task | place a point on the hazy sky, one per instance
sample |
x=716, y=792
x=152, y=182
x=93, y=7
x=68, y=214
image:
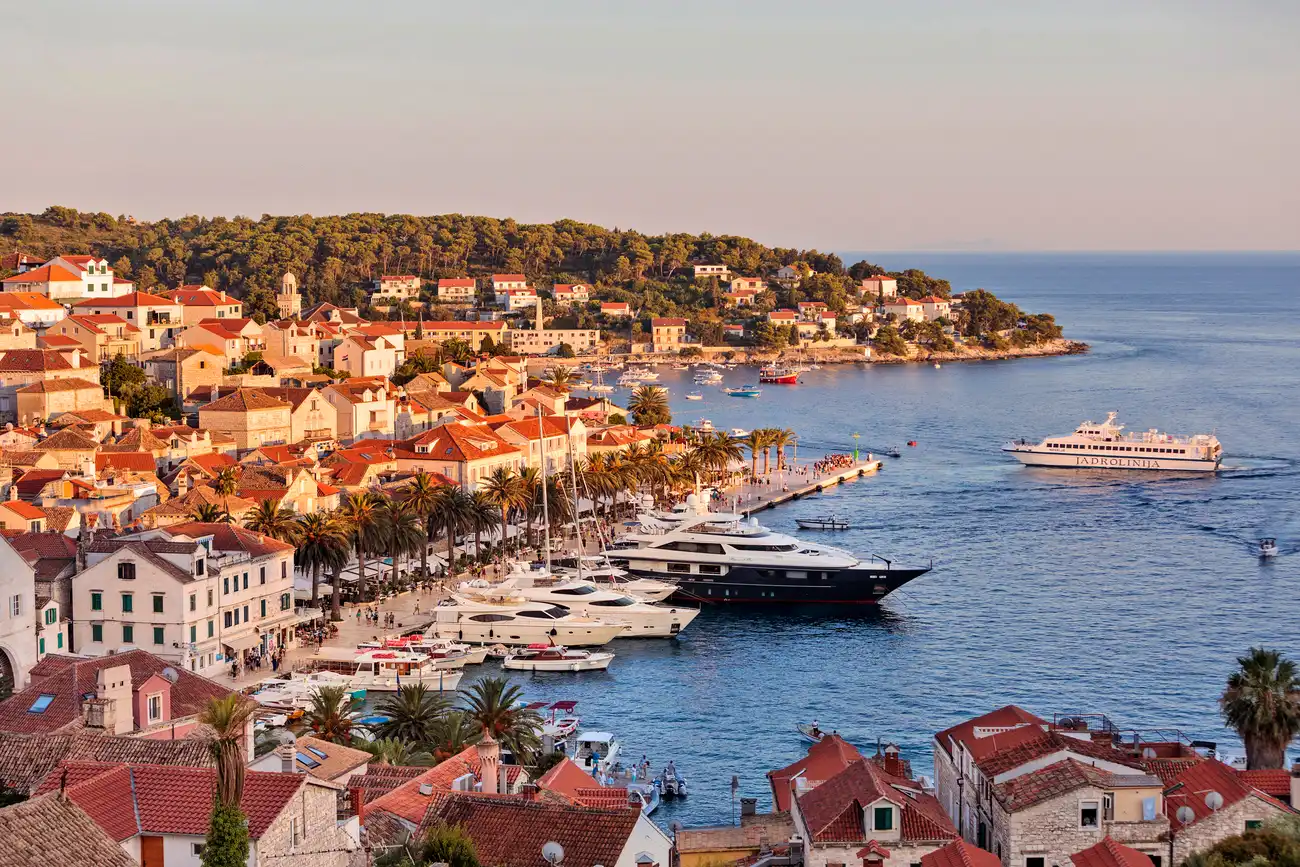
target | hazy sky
x=840, y=124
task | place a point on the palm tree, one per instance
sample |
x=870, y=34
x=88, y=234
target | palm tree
x=271, y=519
x=559, y=378
x=504, y=489
x=412, y=712
x=756, y=442
x=483, y=516
x=451, y=733
x=1262, y=702
x=493, y=704
x=391, y=751
x=228, y=719
x=419, y=497
x=322, y=544
x=649, y=405
x=530, y=499
x=401, y=532
x=781, y=438
x=451, y=511
x=225, y=483
x=210, y=513
x=330, y=716
x=361, y=513
x=768, y=441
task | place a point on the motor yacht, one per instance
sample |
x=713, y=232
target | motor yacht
x=597, y=753
x=544, y=657
x=513, y=621
x=386, y=670
x=640, y=619
x=720, y=558
x=599, y=571
x=444, y=654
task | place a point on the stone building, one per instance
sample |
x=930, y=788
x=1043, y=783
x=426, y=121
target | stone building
x=251, y=416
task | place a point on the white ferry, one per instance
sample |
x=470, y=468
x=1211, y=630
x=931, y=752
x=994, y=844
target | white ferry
x=1104, y=446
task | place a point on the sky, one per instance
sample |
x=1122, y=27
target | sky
x=837, y=124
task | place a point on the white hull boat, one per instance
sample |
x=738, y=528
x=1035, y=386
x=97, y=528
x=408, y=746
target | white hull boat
x=546, y=658
x=515, y=622
x=386, y=670
x=1103, y=446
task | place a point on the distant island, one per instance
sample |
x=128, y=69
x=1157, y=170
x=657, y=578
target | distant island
x=645, y=294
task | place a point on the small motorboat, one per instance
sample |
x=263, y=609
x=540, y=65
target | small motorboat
x=670, y=783
x=743, y=391
x=739, y=432
x=826, y=522
x=937, y=365
x=545, y=657
x=811, y=732
x=644, y=796
x=694, y=395
x=704, y=425
x=563, y=722
x=498, y=651
x=1268, y=547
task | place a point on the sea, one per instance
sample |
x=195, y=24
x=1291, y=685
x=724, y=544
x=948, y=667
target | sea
x=1063, y=591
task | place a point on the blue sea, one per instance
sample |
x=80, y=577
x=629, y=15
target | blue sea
x=1059, y=590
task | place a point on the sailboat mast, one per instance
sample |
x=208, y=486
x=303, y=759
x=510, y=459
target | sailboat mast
x=546, y=508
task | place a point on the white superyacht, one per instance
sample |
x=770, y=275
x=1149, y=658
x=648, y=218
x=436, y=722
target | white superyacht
x=1105, y=446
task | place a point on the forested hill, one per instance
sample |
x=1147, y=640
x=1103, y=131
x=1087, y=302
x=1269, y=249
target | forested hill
x=332, y=256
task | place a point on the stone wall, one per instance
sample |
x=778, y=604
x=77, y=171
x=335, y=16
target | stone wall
x=1050, y=830
x=321, y=842
x=900, y=854
x=1230, y=820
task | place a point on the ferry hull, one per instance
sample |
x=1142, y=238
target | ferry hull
x=1112, y=462
x=748, y=585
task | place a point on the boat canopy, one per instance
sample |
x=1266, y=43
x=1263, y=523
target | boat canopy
x=565, y=706
x=595, y=737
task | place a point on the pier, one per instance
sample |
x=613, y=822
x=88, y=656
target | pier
x=786, y=487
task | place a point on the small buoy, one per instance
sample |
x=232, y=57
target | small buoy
x=911, y=443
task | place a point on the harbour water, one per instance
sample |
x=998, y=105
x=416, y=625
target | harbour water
x=1065, y=591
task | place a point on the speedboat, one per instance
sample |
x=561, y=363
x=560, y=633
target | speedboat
x=563, y=722
x=515, y=621
x=704, y=425
x=743, y=391
x=738, y=432
x=544, y=657
x=640, y=619
x=670, y=783
x=712, y=377
x=597, y=752
x=1268, y=547
x=386, y=670
x=694, y=395
x=443, y=654
x=826, y=522
x=643, y=796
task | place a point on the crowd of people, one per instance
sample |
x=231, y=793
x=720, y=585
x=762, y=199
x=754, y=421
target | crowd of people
x=254, y=658
x=831, y=463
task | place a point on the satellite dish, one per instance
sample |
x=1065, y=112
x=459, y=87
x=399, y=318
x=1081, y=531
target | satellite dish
x=1148, y=753
x=1214, y=800
x=1185, y=815
x=170, y=674
x=553, y=852
x=674, y=826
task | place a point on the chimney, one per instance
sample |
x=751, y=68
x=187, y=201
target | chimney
x=748, y=807
x=489, y=759
x=113, y=688
x=893, y=762
x=286, y=753
x=539, y=316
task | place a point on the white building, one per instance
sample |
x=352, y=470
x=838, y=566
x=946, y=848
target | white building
x=503, y=283
x=879, y=287
x=18, y=619
x=905, y=309
x=719, y=271
x=458, y=290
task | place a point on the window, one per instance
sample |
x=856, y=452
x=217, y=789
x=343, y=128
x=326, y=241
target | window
x=198, y=570
x=194, y=633
x=96, y=632
x=284, y=569
x=683, y=568
x=41, y=704
x=245, y=613
x=126, y=571
x=286, y=601
x=262, y=575
x=159, y=635
x=294, y=831
x=40, y=646
x=1108, y=806
x=155, y=707
x=96, y=600
x=128, y=603
x=194, y=602
x=883, y=818
x=1089, y=814
x=1254, y=824
x=263, y=614
x=225, y=586
x=1034, y=862
x=197, y=849
x=211, y=628
x=157, y=603
x=128, y=633
x=58, y=640
x=245, y=580
x=51, y=615
x=228, y=622
x=1155, y=860
x=209, y=597
x=15, y=606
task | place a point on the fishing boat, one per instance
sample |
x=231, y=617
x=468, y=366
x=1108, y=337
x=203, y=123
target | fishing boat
x=743, y=391
x=694, y=395
x=1268, y=547
x=811, y=732
x=826, y=522
x=545, y=657
x=778, y=375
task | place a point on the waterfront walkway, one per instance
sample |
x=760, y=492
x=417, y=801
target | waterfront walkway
x=793, y=483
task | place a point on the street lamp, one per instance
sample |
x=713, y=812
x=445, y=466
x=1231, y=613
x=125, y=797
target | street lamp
x=855, y=447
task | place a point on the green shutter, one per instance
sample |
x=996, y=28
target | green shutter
x=96, y=632
x=128, y=633
x=158, y=636
x=96, y=601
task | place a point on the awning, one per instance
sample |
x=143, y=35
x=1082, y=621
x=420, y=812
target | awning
x=242, y=642
x=308, y=618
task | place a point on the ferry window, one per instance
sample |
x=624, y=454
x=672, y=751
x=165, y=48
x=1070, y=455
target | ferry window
x=710, y=569
x=683, y=568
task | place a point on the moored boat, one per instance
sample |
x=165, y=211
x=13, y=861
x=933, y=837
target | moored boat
x=1268, y=547
x=1104, y=446
x=825, y=522
x=543, y=657
x=743, y=391
x=386, y=670
x=778, y=375
x=694, y=395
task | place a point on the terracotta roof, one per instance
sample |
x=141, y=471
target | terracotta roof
x=130, y=299
x=1028, y=743
x=55, y=341
x=405, y=800
x=228, y=537
x=462, y=282
x=68, y=439
x=959, y=853
x=825, y=759
x=833, y=811
x=662, y=322
x=1004, y=717
x=456, y=442
x=24, y=510
x=442, y=325
x=510, y=832
x=32, y=360
x=567, y=779
x=1270, y=781
x=46, y=386
x=57, y=518
x=32, y=481
x=28, y=301
x=244, y=400
x=337, y=761
x=26, y=760
x=131, y=799
x=1211, y=775
x=1060, y=778
x=141, y=461
x=68, y=678
x=45, y=274
x=52, y=829
x=1107, y=853
x=508, y=278
x=192, y=296
x=613, y=305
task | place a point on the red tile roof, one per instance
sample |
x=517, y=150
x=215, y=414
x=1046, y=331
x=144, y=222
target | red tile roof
x=68, y=678
x=825, y=759
x=463, y=282
x=959, y=853
x=508, y=278
x=833, y=811
x=229, y=537
x=510, y=832
x=1270, y=781
x=53, y=829
x=1210, y=775
x=439, y=325
x=1108, y=853
x=1060, y=778
x=666, y=322
x=1029, y=743
x=45, y=274
x=139, y=461
x=32, y=360
x=406, y=801
x=197, y=296
x=245, y=400
x=24, y=510
x=1004, y=717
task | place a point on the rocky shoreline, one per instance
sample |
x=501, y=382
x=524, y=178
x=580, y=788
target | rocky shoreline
x=855, y=355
